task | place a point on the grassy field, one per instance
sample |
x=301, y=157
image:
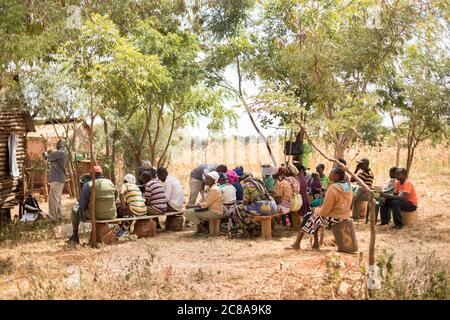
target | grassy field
x=177, y=265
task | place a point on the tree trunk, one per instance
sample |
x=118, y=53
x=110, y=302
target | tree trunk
x=339, y=149
x=138, y=157
x=397, y=153
x=172, y=126
x=409, y=159
x=158, y=128
x=107, y=146
x=93, y=239
x=411, y=147
x=113, y=156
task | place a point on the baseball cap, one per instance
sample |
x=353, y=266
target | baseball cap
x=364, y=160
x=130, y=178
x=98, y=169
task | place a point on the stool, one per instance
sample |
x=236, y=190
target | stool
x=214, y=227
x=362, y=212
x=410, y=218
x=345, y=236
x=104, y=233
x=296, y=221
x=145, y=228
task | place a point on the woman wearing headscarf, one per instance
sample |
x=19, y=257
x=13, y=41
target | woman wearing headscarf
x=257, y=199
x=233, y=179
x=282, y=191
x=305, y=208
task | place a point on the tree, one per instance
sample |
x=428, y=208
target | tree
x=55, y=95
x=418, y=94
x=226, y=36
x=100, y=58
x=329, y=56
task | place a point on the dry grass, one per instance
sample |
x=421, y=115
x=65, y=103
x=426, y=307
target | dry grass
x=176, y=265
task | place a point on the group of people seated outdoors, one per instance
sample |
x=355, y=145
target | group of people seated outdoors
x=236, y=196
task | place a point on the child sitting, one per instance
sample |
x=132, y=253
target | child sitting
x=268, y=180
x=283, y=194
x=315, y=187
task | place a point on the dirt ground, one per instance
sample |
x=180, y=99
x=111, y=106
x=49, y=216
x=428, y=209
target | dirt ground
x=178, y=265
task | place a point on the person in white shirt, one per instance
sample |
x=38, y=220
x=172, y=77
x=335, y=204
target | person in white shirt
x=228, y=194
x=172, y=189
x=228, y=191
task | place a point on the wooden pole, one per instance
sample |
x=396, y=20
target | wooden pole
x=93, y=239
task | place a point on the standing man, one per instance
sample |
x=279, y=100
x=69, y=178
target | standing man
x=197, y=177
x=366, y=175
x=403, y=199
x=57, y=178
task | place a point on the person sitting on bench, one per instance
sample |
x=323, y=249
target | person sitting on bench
x=257, y=200
x=403, y=199
x=361, y=195
x=389, y=187
x=228, y=194
x=315, y=186
x=131, y=200
x=132, y=203
x=172, y=189
x=282, y=193
x=105, y=203
x=335, y=209
x=155, y=197
x=210, y=208
x=233, y=179
x=324, y=179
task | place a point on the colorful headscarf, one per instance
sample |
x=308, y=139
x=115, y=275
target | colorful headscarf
x=282, y=171
x=232, y=176
x=239, y=171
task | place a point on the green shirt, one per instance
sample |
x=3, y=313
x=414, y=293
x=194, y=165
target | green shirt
x=325, y=182
x=105, y=199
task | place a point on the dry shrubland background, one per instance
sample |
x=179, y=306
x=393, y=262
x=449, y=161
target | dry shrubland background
x=251, y=152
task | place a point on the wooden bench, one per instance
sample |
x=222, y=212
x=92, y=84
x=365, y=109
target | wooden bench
x=266, y=223
x=144, y=227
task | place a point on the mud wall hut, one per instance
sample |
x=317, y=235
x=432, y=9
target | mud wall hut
x=14, y=126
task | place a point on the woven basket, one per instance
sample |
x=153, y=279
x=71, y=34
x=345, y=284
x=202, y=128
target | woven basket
x=175, y=223
x=145, y=228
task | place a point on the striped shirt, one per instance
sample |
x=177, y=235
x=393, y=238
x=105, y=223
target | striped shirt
x=366, y=177
x=134, y=199
x=155, y=196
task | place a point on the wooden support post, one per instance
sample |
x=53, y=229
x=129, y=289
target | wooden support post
x=266, y=228
x=296, y=221
x=45, y=186
x=214, y=227
x=104, y=234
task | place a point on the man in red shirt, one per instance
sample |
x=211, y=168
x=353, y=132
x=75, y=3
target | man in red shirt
x=403, y=199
